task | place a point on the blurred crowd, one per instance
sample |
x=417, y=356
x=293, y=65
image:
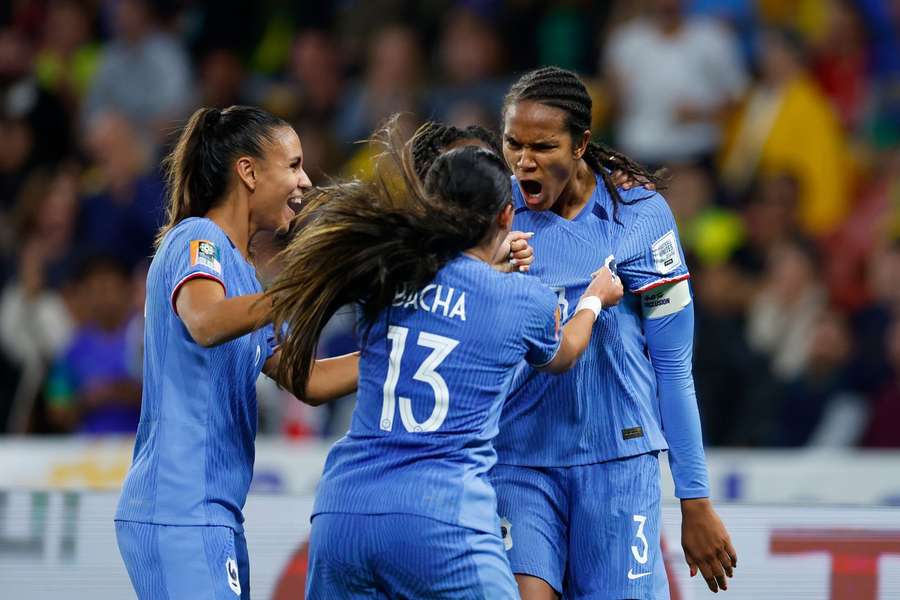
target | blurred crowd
x=778, y=122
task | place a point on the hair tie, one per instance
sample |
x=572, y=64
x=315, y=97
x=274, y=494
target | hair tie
x=212, y=118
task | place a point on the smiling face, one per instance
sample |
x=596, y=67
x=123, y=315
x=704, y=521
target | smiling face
x=280, y=182
x=538, y=148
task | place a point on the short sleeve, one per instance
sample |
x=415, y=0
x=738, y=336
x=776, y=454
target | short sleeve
x=195, y=251
x=541, y=325
x=651, y=254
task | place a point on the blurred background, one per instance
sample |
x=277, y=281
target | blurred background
x=779, y=123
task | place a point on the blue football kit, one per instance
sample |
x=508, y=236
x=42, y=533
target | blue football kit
x=577, y=478
x=179, y=520
x=404, y=507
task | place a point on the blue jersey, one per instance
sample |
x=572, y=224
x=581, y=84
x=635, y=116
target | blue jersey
x=606, y=406
x=193, y=455
x=433, y=375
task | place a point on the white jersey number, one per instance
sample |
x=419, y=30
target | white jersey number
x=441, y=347
x=562, y=301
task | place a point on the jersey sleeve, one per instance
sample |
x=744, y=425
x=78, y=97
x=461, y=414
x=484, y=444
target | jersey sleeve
x=651, y=254
x=195, y=251
x=541, y=325
x=670, y=342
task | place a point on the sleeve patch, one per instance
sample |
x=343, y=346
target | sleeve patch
x=205, y=253
x=666, y=257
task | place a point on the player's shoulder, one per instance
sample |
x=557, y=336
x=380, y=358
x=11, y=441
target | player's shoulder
x=643, y=205
x=529, y=289
x=197, y=228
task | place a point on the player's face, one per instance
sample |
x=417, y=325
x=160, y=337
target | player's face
x=281, y=182
x=538, y=148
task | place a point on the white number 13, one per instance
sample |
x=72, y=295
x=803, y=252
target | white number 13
x=441, y=347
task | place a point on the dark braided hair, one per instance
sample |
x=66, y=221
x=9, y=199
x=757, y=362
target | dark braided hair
x=562, y=89
x=433, y=139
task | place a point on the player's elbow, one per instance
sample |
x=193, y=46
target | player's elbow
x=312, y=398
x=203, y=333
x=562, y=362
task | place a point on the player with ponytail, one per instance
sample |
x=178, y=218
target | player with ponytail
x=404, y=507
x=207, y=337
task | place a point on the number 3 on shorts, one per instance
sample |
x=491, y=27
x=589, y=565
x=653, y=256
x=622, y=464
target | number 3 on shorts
x=641, y=556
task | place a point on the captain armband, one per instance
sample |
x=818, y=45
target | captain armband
x=665, y=300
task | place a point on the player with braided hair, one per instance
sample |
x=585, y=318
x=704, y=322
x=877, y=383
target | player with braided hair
x=577, y=477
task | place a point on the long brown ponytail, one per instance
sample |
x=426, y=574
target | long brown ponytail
x=368, y=243
x=198, y=169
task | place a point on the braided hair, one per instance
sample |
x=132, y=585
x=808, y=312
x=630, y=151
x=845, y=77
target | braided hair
x=433, y=139
x=562, y=89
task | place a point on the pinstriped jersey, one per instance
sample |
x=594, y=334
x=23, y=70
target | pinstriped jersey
x=606, y=406
x=434, y=373
x=194, y=450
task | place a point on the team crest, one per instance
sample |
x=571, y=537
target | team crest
x=506, y=533
x=205, y=253
x=234, y=581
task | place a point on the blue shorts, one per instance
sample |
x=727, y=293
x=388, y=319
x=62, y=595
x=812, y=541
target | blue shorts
x=404, y=556
x=167, y=562
x=590, y=531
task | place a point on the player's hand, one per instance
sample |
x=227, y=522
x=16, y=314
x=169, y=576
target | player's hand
x=706, y=543
x=607, y=286
x=515, y=254
x=621, y=179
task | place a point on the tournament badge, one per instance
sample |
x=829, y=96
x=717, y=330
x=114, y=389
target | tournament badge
x=205, y=253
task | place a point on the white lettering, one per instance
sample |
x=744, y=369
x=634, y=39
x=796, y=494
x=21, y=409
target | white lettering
x=422, y=293
x=459, y=309
x=439, y=302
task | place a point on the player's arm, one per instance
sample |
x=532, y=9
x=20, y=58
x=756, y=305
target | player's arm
x=604, y=290
x=330, y=378
x=668, y=318
x=211, y=318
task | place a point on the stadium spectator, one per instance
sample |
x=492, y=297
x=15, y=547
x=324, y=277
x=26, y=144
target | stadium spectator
x=674, y=77
x=122, y=209
x=841, y=63
x=67, y=58
x=470, y=58
x=94, y=386
x=787, y=125
x=820, y=406
x=34, y=126
x=144, y=73
x=391, y=84
x=782, y=316
x=882, y=431
x=222, y=78
x=36, y=312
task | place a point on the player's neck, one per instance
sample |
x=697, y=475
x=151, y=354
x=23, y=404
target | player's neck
x=488, y=248
x=233, y=217
x=575, y=195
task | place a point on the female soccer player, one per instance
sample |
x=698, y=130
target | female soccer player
x=577, y=477
x=404, y=508
x=234, y=172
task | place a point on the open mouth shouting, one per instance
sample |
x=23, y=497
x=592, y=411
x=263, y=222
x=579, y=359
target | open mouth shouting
x=533, y=190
